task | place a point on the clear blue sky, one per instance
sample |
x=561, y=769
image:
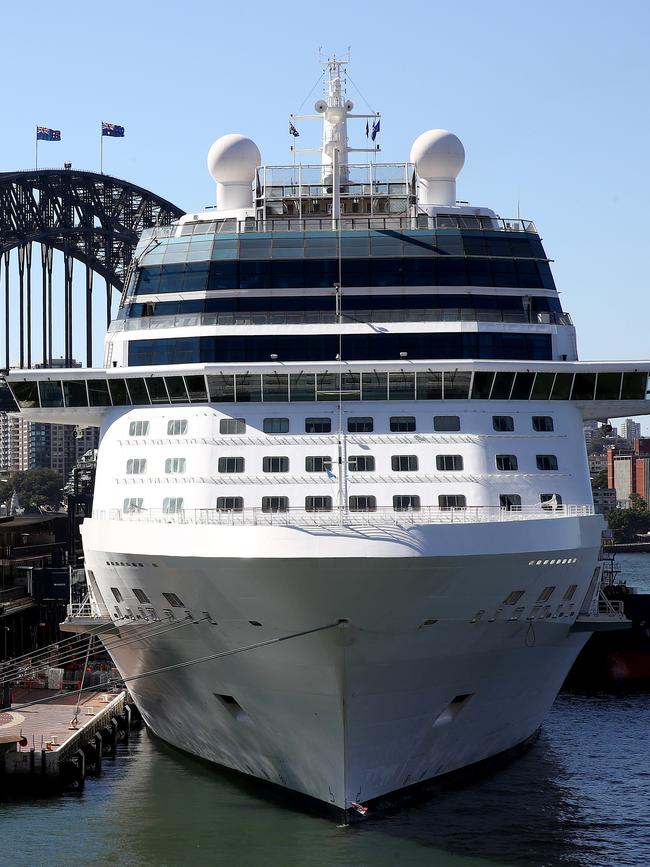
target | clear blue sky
x=550, y=100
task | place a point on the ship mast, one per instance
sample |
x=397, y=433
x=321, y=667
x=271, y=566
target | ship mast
x=335, y=109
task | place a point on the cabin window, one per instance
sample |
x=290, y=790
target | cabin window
x=136, y=466
x=402, y=423
x=406, y=503
x=275, y=504
x=318, y=504
x=452, y=501
x=503, y=423
x=506, y=463
x=116, y=593
x=446, y=423
x=449, y=463
x=361, y=463
x=174, y=600
x=318, y=464
x=318, y=425
x=231, y=465
x=230, y=504
x=510, y=502
x=138, y=428
x=232, y=426
x=542, y=423
x=175, y=465
x=172, y=505
x=570, y=592
x=275, y=464
x=546, y=594
x=363, y=503
x=141, y=596
x=132, y=504
x=276, y=425
x=361, y=424
x=404, y=463
x=176, y=427
x=546, y=462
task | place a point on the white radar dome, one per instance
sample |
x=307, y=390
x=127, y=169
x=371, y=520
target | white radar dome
x=233, y=158
x=439, y=156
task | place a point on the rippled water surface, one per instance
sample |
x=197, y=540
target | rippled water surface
x=579, y=796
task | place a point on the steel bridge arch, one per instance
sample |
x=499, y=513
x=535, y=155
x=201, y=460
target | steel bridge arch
x=93, y=218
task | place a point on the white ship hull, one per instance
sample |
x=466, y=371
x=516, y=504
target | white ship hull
x=363, y=709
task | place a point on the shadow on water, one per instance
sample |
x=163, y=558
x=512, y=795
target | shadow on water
x=578, y=796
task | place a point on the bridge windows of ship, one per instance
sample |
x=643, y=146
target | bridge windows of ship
x=232, y=426
x=318, y=504
x=361, y=463
x=543, y=423
x=275, y=425
x=369, y=386
x=175, y=465
x=138, y=428
x=318, y=464
x=452, y=501
x=507, y=463
x=172, y=505
x=449, y=463
x=404, y=463
x=231, y=465
x=275, y=504
x=503, y=423
x=176, y=427
x=510, y=502
x=230, y=504
x=546, y=462
x=275, y=464
x=362, y=503
x=136, y=466
x=406, y=503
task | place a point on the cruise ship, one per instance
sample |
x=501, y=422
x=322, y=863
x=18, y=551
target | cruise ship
x=342, y=519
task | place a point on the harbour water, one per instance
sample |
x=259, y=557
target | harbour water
x=579, y=796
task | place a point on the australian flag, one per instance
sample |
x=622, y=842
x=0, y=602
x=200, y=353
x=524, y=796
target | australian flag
x=375, y=129
x=112, y=129
x=44, y=133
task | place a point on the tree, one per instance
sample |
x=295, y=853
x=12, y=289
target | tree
x=638, y=503
x=6, y=492
x=628, y=523
x=39, y=487
x=600, y=479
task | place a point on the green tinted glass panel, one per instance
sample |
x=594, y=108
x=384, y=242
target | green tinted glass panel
x=327, y=386
x=521, y=388
x=98, y=392
x=502, y=386
x=138, y=392
x=196, y=389
x=157, y=390
x=429, y=385
x=401, y=386
x=542, y=386
x=249, y=388
x=608, y=386
x=457, y=384
x=374, y=386
x=119, y=394
x=26, y=394
x=583, y=386
x=351, y=386
x=562, y=386
x=634, y=386
x=303, y=386
x=176, y=389
x=275, y=387
x=482, y=385
x=222, y=388
x=51, y=394
x=74, y=392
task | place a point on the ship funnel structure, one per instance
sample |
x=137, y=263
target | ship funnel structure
x=439, y=156
x=232, y=161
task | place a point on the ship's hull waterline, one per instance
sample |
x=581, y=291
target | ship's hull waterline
x=429, y=673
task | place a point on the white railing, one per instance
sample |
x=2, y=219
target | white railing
x=87, y=608
x=338, y=517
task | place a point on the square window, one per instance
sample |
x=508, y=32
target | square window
x=510, y=502
x=361, y=464
x=542, y=423
x=503, y=423
x=318, y=504
x=275, y=504
x=362, y=424
x=402, y=423
x=406, y=503
x=449, y=463
x=172, y=505
x=546, y=462
x=231, y=465
x=363, y=503
x=138, y=428
x=232, y=426
x=177, y=427
x=451, y=501
x=404, y=463
x=275, y=464
x=506, y=463
x=275, y=425
x=318, y=464
x=446, y=423
x=136, y=466
x=318, y=425
x=230, y=504
x=132, y=505
x=175, y=465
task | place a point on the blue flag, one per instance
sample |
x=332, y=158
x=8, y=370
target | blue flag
x=293, y=131
x=44, y=133
x=112, y=129
x=375, y=129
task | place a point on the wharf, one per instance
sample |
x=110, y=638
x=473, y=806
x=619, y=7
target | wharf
x=627, y=547
x=40, y=750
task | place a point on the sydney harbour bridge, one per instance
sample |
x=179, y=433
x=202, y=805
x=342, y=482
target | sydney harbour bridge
x=47, y=215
